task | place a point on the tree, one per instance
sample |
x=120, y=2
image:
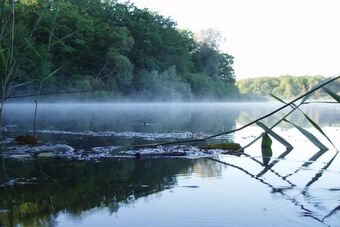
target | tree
x=284, y=86
x=207, y=60
x=112, y=48
x=210, y=37
x=226, y=71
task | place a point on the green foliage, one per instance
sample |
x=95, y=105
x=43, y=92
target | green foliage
x=286, y=87
x=332, y=94
x=111, y=48
x=206, y=60
x=165, y=86
x=206, y=87
x=310, y=120
x=274, y=135
x=226, y=72
x=81, y=186
x=310, y=137
x=266, y=140
x=266, y=149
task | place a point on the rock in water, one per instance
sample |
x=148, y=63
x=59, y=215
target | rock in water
x=26, y=139
x=54, y=150
x=61, y=148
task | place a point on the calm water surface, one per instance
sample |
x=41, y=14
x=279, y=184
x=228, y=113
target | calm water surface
x=88, y=182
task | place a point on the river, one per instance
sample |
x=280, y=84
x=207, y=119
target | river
x=87, y=175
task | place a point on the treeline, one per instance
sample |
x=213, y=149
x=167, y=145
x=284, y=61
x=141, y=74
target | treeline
x=284, y=86
x=114, y=50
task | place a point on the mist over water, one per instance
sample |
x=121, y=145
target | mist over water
x=65, y=163
x=99, y=127
x=87, y=182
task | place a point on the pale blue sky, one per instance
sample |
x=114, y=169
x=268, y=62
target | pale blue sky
x=266, y=37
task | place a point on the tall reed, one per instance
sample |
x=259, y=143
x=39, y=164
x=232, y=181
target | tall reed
x=7, y=19
x=44, y=57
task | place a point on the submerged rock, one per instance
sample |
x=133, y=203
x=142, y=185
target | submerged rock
x=47, y=155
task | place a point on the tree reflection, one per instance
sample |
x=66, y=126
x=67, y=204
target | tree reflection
x=206, y=168
x=43, y=188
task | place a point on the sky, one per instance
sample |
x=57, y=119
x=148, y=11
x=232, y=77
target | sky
x=266, y=37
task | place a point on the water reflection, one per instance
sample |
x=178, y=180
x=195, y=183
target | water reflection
x=37, y=190
x=207, y=168
x=300, y=195
x=323, y=115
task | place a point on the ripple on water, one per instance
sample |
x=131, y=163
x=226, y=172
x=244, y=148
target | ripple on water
x=160, y=151
x=68, y=152
x=18, y=181
x=143, y=135
x=288, y=212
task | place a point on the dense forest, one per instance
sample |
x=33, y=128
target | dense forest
x=113, y=50
x=284, y=86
